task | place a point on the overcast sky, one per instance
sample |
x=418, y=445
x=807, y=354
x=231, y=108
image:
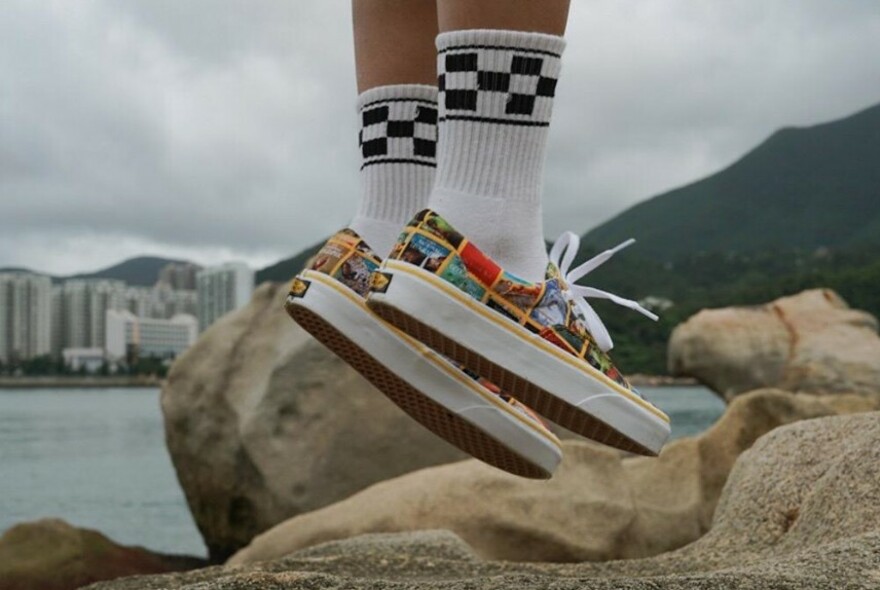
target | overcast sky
x=214, y=130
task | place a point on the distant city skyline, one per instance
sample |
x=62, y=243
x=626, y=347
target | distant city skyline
x=173, y=273
x=216, y=130
x=85, y=320
x=172, y=260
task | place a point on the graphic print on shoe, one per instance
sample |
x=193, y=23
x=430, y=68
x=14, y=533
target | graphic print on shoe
x=399, y=131
x=505, y=85
x=545, y=308
x=347, y=258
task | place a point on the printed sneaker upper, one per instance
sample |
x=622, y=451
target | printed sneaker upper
x=347, y=258
x=547, y=308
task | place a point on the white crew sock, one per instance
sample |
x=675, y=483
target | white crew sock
x=496, y=97
x=398, y=140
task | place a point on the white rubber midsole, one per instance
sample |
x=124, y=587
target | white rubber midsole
x=428, y=372
x=472, y=325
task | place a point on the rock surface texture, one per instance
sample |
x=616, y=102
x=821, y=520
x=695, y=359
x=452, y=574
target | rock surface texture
x=810, y=342
x=598, y=506
x=53, y=555
x=263, y=423
x=800, y=510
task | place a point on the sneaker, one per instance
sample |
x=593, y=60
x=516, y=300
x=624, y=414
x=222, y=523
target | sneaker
x=541, y=342
x=328, y=300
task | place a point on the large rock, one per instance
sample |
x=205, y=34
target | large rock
x=598, y=506
x=50, y=554
x=263, y=423
x=801, y=510
x=810, y=342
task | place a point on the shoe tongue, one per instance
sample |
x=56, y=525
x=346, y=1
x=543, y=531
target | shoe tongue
x=552, y=272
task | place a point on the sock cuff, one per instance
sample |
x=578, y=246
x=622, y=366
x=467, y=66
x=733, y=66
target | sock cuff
x=396, y=92
x=398, y=145
x=498, y=77
x=540, y=43
x=398, y=125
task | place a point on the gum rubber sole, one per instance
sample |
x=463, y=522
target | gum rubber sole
x=541, y=401
x=424, y=410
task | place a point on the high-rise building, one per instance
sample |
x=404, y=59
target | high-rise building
x=142, y=302
x=56, y=320
x=160, y=301
x=25, y=315
x=222, y=289
x=81, y=311
x=179, y=275
x=128, y=334
x=182, y=301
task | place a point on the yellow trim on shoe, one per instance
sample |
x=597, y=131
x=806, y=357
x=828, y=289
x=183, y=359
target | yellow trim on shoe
x=508, y=325
x=431, y=355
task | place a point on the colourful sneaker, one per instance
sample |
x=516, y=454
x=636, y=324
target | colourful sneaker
x=328, y=300
x=541, y=342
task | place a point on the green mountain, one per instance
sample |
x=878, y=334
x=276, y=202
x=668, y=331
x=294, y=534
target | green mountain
x=801, y=210
x=140, y=271
x=802, y=188
x=284, y=270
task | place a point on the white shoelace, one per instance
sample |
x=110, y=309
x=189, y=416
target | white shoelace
x=562, y=255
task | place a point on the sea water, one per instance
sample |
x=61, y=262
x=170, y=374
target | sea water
x=97, y=459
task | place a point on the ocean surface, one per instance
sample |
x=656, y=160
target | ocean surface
x=97, y=459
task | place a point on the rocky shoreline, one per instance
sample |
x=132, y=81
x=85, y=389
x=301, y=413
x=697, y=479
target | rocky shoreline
x=63, y=382
x=300, y=475
x=780, y=523
x=50, y=554
x=642, y=380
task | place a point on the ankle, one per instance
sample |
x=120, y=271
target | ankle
x=508, y=231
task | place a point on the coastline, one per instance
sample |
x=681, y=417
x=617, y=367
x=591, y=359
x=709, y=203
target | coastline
x=72, y=381
x=639, y=379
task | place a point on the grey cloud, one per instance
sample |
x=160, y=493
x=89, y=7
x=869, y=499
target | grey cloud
x=219, y=128
x=668, y=92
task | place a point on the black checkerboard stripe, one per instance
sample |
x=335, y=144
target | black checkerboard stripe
x=398, y=131
x=498, y=84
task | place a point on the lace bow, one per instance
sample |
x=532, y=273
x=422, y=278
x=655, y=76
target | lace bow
x=562, y=255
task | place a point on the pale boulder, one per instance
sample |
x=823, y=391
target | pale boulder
x=50, y=554
x=598, y=506
x=801, y=510
x=809, y=342
x=263, y=423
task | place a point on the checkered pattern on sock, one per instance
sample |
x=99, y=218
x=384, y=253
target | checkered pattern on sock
x=398, y=144
x=504, y=77
x=398, y=130
x=496, y=93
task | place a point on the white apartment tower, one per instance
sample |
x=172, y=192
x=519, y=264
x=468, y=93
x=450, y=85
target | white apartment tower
x=180, y=276
x=160, y=301
x=142, y=302
x=57, y=320
x=80, y=311
x=25, y=315
x=222, y=289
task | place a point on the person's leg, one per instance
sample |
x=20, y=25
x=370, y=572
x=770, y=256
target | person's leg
x=498, y=64
x=537, y=16
x=395, y=59
x=394, y=42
